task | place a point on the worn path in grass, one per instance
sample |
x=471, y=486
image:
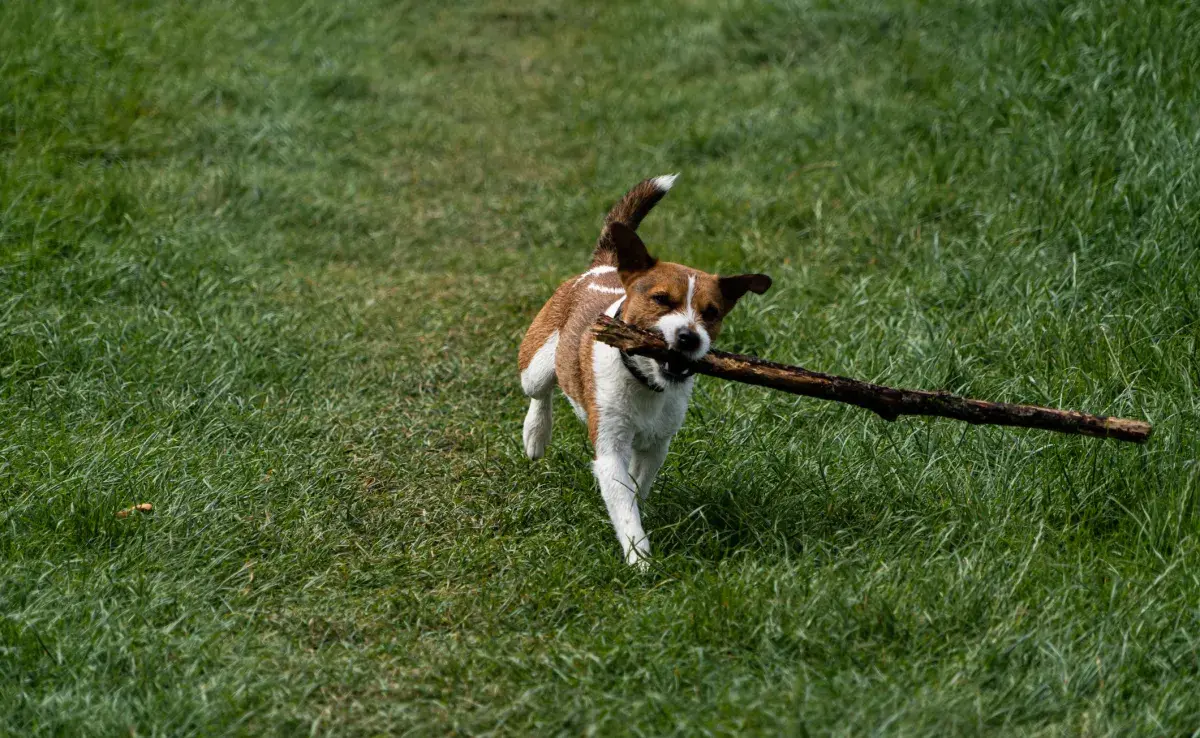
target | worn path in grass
x=266, y=266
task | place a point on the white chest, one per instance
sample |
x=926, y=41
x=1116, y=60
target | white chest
x=629, y=411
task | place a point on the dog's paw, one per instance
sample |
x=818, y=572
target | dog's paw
x=536, y=433
x=535, y=445
x=639, y=558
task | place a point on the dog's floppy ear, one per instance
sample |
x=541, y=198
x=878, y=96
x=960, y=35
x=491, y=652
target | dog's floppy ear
x=632, y=256
x=732, y=288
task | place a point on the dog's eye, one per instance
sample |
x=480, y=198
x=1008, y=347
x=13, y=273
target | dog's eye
x=709, y=314
x=662, y=298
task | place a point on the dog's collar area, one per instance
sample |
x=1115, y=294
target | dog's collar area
x=636, y=371
x=627, y=360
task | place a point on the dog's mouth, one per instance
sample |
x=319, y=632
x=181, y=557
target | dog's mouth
x=675, y=370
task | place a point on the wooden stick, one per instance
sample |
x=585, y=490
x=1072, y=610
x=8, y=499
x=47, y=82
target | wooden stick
x=886, y=402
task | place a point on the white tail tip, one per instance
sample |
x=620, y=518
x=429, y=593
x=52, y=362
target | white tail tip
x=665, y=182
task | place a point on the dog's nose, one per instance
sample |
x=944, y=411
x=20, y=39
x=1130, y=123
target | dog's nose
x=687, y=340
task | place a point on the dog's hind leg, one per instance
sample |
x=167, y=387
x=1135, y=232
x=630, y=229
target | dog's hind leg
x=538, y=380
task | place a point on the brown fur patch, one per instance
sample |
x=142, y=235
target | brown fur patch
x=548, y=320
x=572, y=311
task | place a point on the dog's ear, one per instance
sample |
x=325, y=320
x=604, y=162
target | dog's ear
x=732, y=288
x=632, y=256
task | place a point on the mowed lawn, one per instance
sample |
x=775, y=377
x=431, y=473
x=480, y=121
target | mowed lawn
x=266, y=265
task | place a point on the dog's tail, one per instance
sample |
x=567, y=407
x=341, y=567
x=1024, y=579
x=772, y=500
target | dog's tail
x=630, y=210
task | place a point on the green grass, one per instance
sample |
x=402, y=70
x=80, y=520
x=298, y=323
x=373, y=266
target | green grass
x=266, y=265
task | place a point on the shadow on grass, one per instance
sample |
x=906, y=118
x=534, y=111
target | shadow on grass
x=712, y=522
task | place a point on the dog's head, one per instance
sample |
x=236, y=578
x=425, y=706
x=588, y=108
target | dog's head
x=685, y=305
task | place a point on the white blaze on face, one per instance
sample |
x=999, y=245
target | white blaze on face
x=686, y=317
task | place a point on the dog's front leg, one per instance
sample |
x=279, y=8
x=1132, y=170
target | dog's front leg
x=645, y=465
x=619, y=490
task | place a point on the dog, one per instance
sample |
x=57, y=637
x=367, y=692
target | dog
x=632, y=405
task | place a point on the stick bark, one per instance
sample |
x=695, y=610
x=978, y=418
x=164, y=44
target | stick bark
x=886, y=402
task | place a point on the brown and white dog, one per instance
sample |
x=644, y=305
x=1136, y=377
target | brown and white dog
x=632, y=405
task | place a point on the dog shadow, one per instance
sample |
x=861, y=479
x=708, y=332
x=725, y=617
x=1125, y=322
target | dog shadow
x=718, y=521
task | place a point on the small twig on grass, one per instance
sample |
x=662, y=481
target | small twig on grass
x=886, y=402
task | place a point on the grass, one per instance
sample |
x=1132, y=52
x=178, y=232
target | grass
x=266, y=265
